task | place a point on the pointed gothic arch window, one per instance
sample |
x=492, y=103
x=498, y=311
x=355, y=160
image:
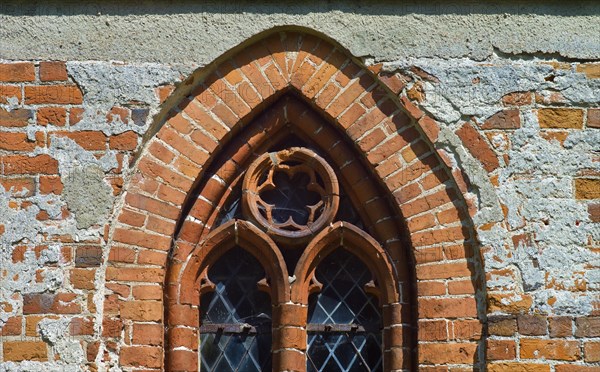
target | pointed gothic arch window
x=316, y=228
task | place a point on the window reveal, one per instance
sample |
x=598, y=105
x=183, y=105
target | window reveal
x=292, y=195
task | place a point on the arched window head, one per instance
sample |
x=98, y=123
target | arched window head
x=314, y=223
x=236, y=316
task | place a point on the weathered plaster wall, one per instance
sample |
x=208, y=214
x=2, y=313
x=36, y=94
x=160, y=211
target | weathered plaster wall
x=522, y=76
x=198, y=32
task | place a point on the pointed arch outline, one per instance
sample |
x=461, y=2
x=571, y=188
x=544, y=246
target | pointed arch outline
x=225, y=237
x=357, y=242
x=196, y=126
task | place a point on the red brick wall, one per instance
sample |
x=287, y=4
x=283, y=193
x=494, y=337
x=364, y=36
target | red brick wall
x=140, y=257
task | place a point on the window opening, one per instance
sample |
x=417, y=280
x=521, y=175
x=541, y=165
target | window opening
x=235, y=331
x=344, y=322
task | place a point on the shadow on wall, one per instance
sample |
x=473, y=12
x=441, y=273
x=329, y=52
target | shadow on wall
x=214, y=7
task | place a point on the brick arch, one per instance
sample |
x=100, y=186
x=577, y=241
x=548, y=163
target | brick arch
x=219, y=102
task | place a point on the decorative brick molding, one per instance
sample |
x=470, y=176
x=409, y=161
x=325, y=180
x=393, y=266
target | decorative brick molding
x=300, y=83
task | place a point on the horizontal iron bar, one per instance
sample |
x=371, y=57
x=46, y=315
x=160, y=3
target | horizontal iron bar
x=340, y=328
x=233, y=328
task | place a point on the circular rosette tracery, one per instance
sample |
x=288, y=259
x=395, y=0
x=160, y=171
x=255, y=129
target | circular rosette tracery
x=291, y=194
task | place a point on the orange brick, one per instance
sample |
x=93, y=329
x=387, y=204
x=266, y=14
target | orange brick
x=53, y=71
x=10, y=92
x=148, y=334
x=501, y=349
x=147, y=292
x=53, y=95
x=550, y=349
x=452, y=353
x=591, y=351
x=134, y=274
x=51, y=185
x=560, y=118
x=478, y=146
x=52, y=116
x=17, y=72
x=15, y=118
x=89, y=140
x=467, y=329
x=19, y=187
x=433, y=330
x=124, y=141
x=17, y=351
x=443, y=270
x=12, y=326
x=458, y=287
x=518, y=367
x=83, y=278
x=150, y=311
x=14, y=141
x=41, y=164
x=141, y=356
x=447, y=307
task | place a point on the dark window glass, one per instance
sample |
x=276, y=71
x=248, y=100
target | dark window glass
x=344, y=330
x=235, y=318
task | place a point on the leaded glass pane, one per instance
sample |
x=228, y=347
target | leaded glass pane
x=236, y=317
x=344, y=321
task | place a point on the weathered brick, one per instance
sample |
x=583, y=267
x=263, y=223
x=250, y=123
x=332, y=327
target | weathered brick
x=478, y=146
x=124, y=141
x=561, y=326
x=587, y=326
x=593, y=118
x=17, y=72
x=455, y=353
x=50, y=303
x=15, y=118
x=89, y=140
x=591, y=70
x=517, y=99
x=141, y=356
x=134, y=274
x=587, y=188
x=506, y=119
x=53, y=71
x=518, y=367
x=550, y=349
x=591, y=351
x=560, y=118
x=147, y=311
x=52, y=116
x=53, y=95
x=501, y=349
x=10, y=93
x=88, y=256
x=40, y=164
x=17, y=351
x=19, y=187
x=532, y=325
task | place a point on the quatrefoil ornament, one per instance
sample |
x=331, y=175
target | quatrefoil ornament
x=291, y=194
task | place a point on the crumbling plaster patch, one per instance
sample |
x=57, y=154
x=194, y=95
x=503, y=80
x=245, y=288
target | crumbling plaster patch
x=106, y=85
x=536, y=184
